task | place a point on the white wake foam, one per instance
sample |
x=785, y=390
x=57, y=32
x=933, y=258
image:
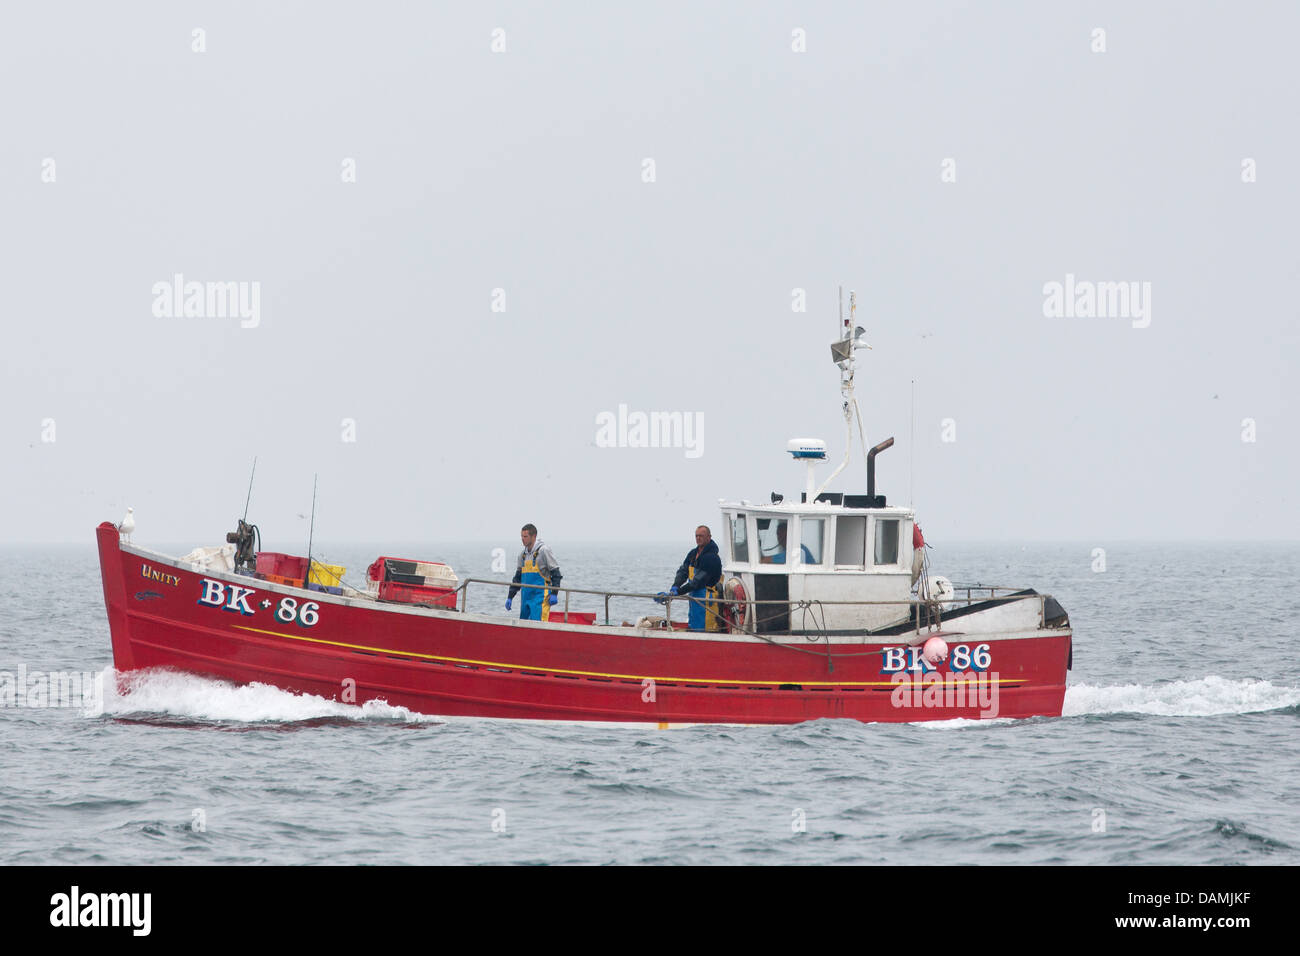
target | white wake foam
x=201, y=698
x=1204, y=697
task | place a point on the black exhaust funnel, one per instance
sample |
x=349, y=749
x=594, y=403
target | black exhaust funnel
x=871, y=466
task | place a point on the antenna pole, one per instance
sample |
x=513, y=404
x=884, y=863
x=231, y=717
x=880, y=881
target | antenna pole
x=311, y=529
x=911, y=450
x=250, y=488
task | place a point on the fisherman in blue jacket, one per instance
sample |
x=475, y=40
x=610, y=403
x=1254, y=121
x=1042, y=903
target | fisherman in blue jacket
x=538, y=574
x=701, y=575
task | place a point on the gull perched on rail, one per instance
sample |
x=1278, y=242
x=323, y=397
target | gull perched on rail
x=128, y=524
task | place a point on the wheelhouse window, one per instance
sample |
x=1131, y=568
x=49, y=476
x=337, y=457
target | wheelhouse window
x=771, y=540
x=886, y=541
x=739, y=540
x=850, y=540
x=812, y=532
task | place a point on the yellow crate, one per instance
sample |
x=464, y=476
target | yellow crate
x=328, y=575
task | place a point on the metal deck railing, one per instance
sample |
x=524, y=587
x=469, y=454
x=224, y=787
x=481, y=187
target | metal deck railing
x=924, y=613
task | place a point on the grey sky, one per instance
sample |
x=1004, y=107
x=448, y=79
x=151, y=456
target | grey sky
x=523, y=170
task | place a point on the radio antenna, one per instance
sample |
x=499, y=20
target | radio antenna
x=911, y=451
x=250, y=488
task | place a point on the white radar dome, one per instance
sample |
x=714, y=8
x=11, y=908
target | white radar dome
x=813, y=448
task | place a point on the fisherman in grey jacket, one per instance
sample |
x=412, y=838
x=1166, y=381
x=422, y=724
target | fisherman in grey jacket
x=538, y=575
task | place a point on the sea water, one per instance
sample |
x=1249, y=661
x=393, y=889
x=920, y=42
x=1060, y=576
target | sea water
x=1179, y=742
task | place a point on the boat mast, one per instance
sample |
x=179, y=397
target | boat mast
x=250, y=489
x=842, y=354
x=311, y=530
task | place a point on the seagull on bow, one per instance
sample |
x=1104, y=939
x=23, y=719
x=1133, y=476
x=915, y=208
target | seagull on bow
x=128, y=524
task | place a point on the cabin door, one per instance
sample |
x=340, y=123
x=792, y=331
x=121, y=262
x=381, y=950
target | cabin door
x=772, y=618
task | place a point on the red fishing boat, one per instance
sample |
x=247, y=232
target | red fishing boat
x=827, y=609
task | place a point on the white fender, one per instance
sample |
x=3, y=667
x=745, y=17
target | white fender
x=941, y=590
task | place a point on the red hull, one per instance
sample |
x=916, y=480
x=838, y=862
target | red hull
x=447, y=663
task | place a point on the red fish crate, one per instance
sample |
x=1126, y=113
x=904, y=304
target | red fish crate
x=416, y=594
x=407, y=571
x=281, y=565
x=572, y=617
